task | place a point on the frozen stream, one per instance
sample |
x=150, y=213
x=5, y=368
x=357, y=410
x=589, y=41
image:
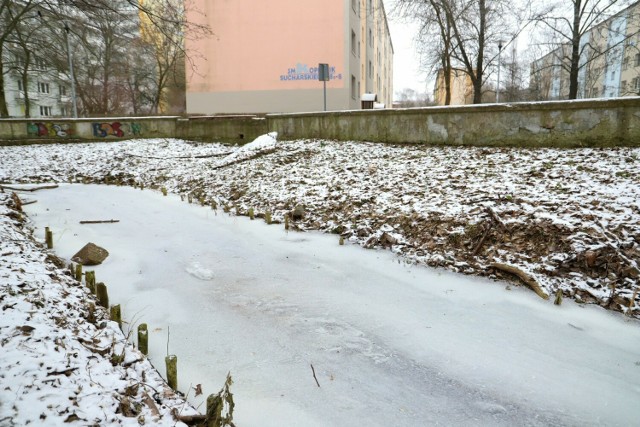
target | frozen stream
x=391, y=344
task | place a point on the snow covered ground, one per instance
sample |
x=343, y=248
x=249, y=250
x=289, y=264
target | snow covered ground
x=55, y=357
x=569, y=218
x=391, y=343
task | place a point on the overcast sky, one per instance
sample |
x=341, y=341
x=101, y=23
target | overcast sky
x=406, y=62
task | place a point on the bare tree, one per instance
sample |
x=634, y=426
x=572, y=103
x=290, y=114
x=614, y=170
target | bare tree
x=571, y=20
x=106, y=35
x=12, y=13
x=468, y=32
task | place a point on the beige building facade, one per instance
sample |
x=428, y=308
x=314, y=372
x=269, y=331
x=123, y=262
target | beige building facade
x=461, y=88
x=609, y=62
x=263, y=56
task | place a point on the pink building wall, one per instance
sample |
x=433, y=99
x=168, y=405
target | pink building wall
x=265, y=45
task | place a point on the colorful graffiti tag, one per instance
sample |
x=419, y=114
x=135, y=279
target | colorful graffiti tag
x=49, y=129
x=116, y=129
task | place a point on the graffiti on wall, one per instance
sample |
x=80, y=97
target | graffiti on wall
x=116, y=129
x=304, y=72
x=49, y=129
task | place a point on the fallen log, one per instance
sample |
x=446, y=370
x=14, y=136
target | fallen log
x=525, y=277
x=103, y=221
x=44, y=187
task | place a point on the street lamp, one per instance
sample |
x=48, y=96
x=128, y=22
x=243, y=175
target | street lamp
x=498, y=85
x=73, y=82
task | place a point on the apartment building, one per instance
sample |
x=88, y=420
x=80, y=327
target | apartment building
x=264, y=56
x=47, y=92
x=609, y=61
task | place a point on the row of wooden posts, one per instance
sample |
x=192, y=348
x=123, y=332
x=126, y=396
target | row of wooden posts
x=102, y=296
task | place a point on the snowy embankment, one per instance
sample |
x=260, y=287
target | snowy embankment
x=568, y=220
x=63, y=362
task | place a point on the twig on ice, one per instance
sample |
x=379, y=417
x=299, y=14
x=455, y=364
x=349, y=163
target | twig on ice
x=102, y=221
x=314, y=375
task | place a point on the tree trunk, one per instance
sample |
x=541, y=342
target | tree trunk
x=25, y=83
x=575, y=51
x=477, y=82
x=4, y=111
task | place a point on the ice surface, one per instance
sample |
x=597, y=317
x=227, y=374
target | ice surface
x=391, y=344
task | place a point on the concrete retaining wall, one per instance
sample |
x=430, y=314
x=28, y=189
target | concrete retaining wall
x=26, y=131
x=556, y=124
x=559, y=124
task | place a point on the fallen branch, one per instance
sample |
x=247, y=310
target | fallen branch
x=30, y=202
x=191, y=420
x=314, y=375
x=133, y=362
x=497, y=219
x=151, y=404
x=66, y=372
x=525, y=277
x=244, y=159
x=484, y=236
x=105, y=221
x=44, y=187
x=202, y=156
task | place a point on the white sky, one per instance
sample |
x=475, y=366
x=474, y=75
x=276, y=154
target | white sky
x=406, y=62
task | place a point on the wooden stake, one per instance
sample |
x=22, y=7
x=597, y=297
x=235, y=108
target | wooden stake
x=143, y=339
x=116, y=314
x=79, y=272
x=103, y=295
x=48, y=236
x=558, y=299
x=267, y=217
x=251, y=214
x=164, y=191
x=90, y=280
x=172, y=371
x=341, y=241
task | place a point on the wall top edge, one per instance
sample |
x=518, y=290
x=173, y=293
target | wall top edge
x=483, y=108
x=85, y=119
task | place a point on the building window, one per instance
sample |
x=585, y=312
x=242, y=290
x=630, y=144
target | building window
x=353, y=86
x=41, y=64
x=623, y=86
x=637, y=61
x=371, y=38
x=63, y=90
x=636, y=83
x=63, y=111
x=370, y=70
x=353, y=42
x=45, y=111
x=625, y=63
x=20, y=86
x=43, y=87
